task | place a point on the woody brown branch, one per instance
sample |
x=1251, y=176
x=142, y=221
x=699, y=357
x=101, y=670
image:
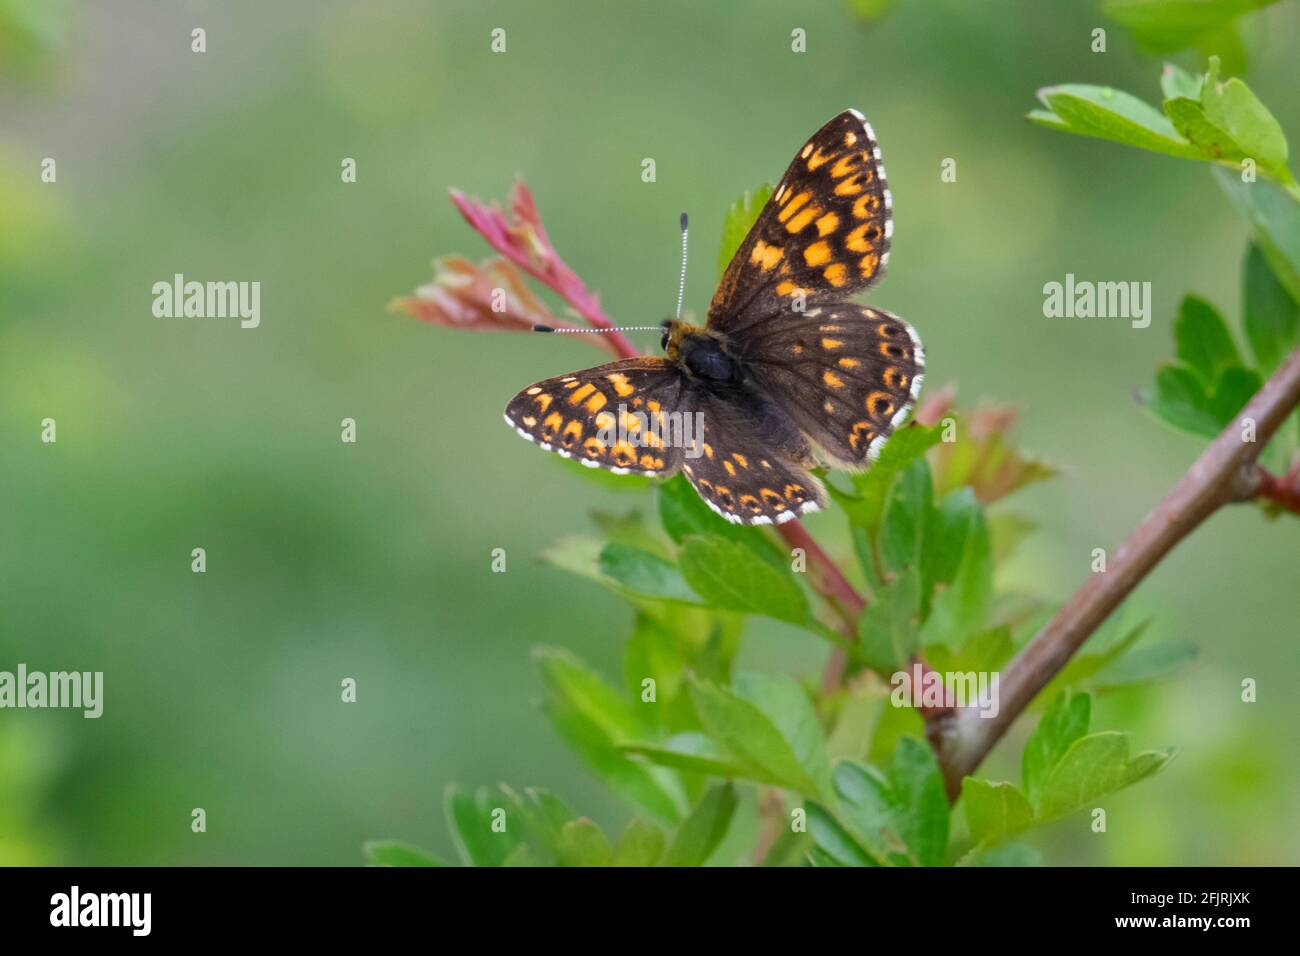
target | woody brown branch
x=1225, y=472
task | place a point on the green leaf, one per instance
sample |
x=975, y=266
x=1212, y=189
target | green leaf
x=1064, y=722
x=1274, y=216
x=730, y=576
x=1179, y=399
x=896, y=818
x=691, y=751
x=994, y=811
x=1203, y=341
x=740, y=217
x=887, y=629
x=1231, y=106
x=959, y=609
x=582, y=843
x=702, y=831
x=470, y=817
x=397, y=853
x=1092, y=767
x=834, y=841
x=645, y=574
x=1166, y=26
x=785, y=703
x=1145, y=664
x=1175, y=82
x=1271, y=314
x=1009, y=854
x=865, y=506
x=919, y=791
x=683, y=512
x=948, y=530
x=642, y=844
x=1106, y=113
x=907, y=514
x=596, y=722
x=751, y=737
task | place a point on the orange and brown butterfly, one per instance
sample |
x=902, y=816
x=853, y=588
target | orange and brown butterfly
x=786, y=372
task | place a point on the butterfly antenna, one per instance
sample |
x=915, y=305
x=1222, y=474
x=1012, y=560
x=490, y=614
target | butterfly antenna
x=681, y=284
x=681, y=294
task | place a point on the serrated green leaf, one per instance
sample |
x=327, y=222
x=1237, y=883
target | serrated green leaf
x=642, y=844
x=582, y=843
x=870, y=813
x=785, y=703
x=1203, y=341
x=752, y=739
x=730, y=576
x=397, y=853
x=704, y=828
x=1092, y=767
x=1231, y=106
x=1065, y=721
x=994, y=811
x=740, y=218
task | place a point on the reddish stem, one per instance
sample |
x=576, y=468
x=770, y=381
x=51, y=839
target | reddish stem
x=1283, y=492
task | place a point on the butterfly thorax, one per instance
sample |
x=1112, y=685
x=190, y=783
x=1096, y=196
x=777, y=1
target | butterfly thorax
x=702, y=353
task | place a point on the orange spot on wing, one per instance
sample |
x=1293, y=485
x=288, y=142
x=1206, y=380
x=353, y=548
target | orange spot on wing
x=791, y=207
x=832, y=380
x=621, y=385
x=827, y=224
x=818, y=253
x=836, y=274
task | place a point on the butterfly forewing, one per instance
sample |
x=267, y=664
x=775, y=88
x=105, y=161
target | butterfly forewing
x=846, y=374
x=822, y=236
x=617, y=416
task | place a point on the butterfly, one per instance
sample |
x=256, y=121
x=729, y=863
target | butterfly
x=786, y=373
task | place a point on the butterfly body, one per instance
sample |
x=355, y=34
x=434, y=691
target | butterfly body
x=785, y=372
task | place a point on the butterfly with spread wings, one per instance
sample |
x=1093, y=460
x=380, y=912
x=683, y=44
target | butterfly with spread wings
x=786, y=370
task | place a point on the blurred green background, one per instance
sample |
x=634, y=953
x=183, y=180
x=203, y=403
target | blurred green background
x=328, y=560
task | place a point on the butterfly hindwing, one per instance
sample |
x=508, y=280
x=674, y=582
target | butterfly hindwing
x=822, y=236
x=614, y=416
x=751, y=465
x=846, y=374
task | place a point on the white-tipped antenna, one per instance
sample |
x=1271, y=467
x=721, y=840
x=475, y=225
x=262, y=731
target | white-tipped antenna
x=681, y=285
